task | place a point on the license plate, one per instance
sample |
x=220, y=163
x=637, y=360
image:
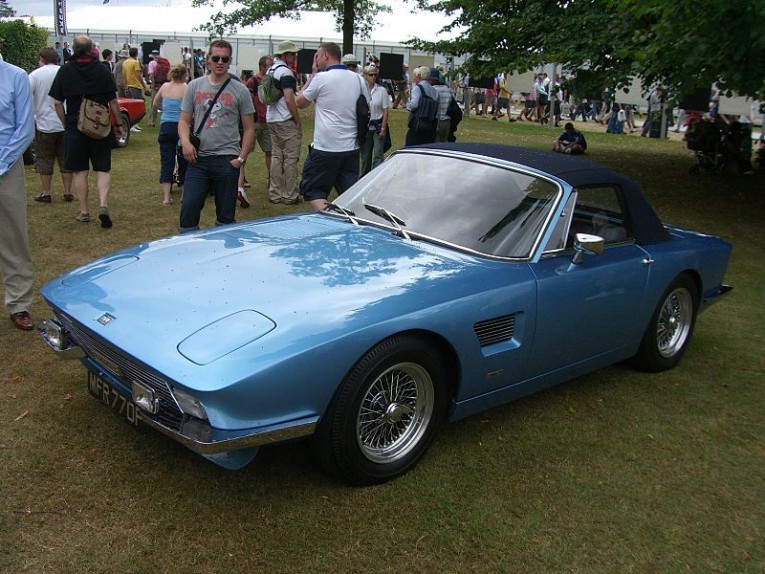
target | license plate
x=107, y=394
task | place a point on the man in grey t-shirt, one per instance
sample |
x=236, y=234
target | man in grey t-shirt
x=214, y=167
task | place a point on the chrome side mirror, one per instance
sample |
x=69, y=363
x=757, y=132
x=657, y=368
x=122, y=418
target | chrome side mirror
x=589, y=244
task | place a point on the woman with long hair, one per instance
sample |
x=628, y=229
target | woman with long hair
x=168, y=99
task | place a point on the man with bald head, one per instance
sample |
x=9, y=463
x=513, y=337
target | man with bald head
x=83, y=76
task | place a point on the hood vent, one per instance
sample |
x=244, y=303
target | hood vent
x=493, y=331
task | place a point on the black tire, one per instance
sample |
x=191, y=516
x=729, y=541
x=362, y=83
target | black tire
x=670, y=329
x=123, y=141
x=367, y=436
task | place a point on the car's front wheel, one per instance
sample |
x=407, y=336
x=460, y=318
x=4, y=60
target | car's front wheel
x=123, y=140
x=385, y=414
x=671, y=327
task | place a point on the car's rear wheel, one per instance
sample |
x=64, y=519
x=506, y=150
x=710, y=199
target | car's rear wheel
x=122, y=141
x=671, y=327
x=385, y=414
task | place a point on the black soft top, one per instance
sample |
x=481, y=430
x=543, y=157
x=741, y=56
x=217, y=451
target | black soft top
x=647, y=228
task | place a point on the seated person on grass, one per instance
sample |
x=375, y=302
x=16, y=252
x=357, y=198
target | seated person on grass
x=570, y=141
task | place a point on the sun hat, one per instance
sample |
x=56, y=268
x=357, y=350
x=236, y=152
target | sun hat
x=286, y=47
x=350, y=60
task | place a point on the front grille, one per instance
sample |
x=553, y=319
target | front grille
x=495, y=330
x=129, y=369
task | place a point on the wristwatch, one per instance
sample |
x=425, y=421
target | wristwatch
x=241, y=160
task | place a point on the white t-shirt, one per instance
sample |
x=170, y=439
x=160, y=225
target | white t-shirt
x=334, y=92
x=380, y=102
x=40, y=81
x=278, y=111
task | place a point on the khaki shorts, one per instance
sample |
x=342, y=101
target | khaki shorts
x=49, y=148
x=262, y=137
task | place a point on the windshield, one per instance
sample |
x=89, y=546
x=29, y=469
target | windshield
x=476, y=206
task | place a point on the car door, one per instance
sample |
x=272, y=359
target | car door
x=588, y=312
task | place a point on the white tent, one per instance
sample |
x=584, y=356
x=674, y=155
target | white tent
x=395, y=27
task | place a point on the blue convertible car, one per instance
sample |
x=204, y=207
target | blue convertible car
x=451, y=279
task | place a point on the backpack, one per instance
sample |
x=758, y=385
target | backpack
x=162, y=71
x=270, y=90
x=424, y=120
x=363, y=116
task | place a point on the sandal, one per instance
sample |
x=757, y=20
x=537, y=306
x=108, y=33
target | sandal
x=68, y=197
x=44, y=198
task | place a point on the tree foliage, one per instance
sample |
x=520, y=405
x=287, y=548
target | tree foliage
x=351, y=16
x=694, y=44
x=23, y=43
x=5, y=10
x=685, y=44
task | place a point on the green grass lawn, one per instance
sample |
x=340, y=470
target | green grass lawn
x=616, y=472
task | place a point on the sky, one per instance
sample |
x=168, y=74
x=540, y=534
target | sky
x=179, y=16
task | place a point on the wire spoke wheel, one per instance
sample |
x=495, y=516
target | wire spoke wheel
x=387, y=411
x=671, y=327
x=395, y=412
x=675, y=321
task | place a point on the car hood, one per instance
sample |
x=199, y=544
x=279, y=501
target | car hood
x=207, y=294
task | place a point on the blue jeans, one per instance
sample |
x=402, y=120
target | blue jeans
x=211, y=174
x=169, y=153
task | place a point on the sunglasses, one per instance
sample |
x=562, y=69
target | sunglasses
x=224, y=59
x=372, y=75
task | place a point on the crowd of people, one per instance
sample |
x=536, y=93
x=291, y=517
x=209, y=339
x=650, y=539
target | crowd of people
x=210, y=121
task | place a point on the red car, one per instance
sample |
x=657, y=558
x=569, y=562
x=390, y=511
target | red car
x=132, y=111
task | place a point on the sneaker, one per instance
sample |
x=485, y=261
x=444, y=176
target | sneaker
x=103, y=215
x=83, y=217
x=68, y=197
x=136, y=128
x=43, y=198
x=241, y=195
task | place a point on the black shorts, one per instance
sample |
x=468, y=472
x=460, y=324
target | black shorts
x=323, y=170
x=80, y=151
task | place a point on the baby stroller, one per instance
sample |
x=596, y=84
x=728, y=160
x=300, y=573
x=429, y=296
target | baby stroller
x=705, y=138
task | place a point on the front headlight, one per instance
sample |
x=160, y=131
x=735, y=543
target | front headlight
x=189, y=404
x=57, y=338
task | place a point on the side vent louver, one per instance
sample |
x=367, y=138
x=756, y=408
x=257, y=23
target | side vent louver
x=495, y=330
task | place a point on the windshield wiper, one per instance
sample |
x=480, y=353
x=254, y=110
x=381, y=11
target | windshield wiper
x=390, y=216
x=347, y=212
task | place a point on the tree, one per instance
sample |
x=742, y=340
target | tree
x=350, y=15
x=685, y=44
x=23, y=43
x=696, y=44
x=5, y=10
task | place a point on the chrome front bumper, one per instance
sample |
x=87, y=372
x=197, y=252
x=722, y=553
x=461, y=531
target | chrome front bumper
x=59, y=340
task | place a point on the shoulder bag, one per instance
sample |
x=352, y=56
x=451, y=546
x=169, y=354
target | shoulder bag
x=94, y=120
